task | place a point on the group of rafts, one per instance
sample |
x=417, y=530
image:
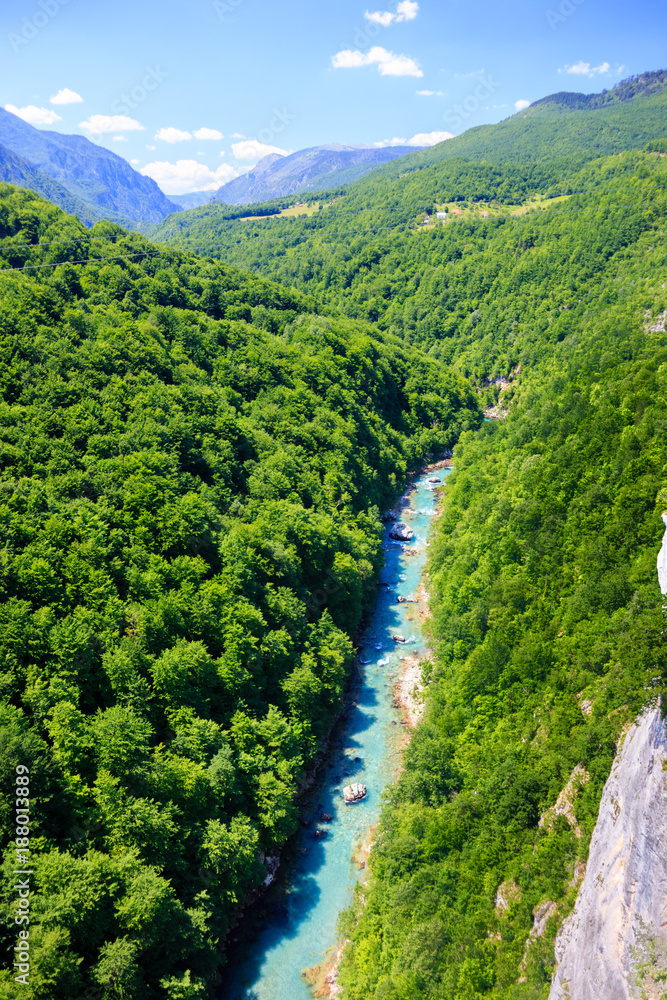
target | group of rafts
x=401, y=533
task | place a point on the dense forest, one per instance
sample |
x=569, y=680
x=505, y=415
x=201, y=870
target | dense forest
x=194, y=460
x=547, y=628
x=193, y=467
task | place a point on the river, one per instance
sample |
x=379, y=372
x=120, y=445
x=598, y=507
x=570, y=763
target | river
x=297, y=929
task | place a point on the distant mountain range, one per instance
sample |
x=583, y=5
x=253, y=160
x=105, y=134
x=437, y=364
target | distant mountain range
x=192, y=200
x=78, y=175
x=319, y=168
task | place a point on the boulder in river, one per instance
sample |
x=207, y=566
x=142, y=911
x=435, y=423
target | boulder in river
x=434, y=480
x=326, y=817
x=398, y=638
x=354, y=793
x=401, y=533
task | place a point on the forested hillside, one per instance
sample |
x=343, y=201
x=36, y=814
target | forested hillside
x=547, y=622
x=367, y=229
x=192, y=467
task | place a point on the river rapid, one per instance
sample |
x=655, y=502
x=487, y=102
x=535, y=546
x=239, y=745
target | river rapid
x=295, y=927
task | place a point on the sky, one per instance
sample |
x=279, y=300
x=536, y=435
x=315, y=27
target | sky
x=194, y=92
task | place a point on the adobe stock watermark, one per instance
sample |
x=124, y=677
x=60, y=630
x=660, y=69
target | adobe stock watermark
x=31, y=26
x=566, y=9
x=22, y=868
x=280, y=121
x=363, y=37
x=225, y=7
x=459, y=113
x=130, y=100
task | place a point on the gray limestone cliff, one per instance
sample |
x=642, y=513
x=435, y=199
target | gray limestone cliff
x=614, y=944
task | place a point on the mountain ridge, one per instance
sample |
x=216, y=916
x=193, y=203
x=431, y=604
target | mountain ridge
x=96, y=177
x=317, y=168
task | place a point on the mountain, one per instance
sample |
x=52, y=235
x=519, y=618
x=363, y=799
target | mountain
x=319, y=168
x=577, y=127
x=95, y=176
x=14, y=169
x=642, y=85
x=192, y=200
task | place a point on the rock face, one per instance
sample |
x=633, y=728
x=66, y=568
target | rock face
x=604, y=948
x=662, y=561
x=87, y=173
x=564, y=805
x=354, y=793
x=401, y=533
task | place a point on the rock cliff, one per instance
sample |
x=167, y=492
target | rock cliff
x=614, y=944
x=615, y=940
x=662, y=561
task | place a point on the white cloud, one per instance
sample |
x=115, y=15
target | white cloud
x=172, y=135
x=134, y=162
x=239, y=135
x=388, y=63
x=66, y=96
x=349, y=59
x=521, y=104
x=429, y=138
x=585, y=69
x=34, y=115
x=385, y=18
x=431, y=93
x=99, y=124
x=208, y=133
x=253, y=149
x=406, y=11
x=185, y=176
x=120, y=138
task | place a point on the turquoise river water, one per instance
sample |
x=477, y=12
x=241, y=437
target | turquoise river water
x=297, y=930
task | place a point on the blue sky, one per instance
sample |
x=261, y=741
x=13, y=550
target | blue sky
x=194, y=92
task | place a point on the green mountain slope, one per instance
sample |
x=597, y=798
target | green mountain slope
x=192, y=463
x=576, y=127
x=548, y=632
